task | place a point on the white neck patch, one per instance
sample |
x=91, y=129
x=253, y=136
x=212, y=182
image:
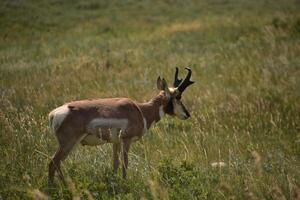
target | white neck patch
x=161, y=111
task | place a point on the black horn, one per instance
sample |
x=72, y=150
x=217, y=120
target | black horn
x=186, y=81
x=176, y=80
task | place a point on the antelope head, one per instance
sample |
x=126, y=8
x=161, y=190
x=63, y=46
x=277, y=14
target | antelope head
x=174, y=105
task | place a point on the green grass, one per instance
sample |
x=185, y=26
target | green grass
x=245, y=104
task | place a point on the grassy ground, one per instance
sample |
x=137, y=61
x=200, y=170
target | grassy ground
x=245, y=104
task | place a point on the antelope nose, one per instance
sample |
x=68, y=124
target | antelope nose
x=187, y=115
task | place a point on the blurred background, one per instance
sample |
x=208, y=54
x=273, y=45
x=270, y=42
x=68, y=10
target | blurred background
x=242, y=141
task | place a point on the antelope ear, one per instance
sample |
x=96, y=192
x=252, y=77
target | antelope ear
x=159, y=84
x=162, y=85
x=166, y=88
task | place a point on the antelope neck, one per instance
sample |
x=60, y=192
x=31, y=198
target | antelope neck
x=152, y=110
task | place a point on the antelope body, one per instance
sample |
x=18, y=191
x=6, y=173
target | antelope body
x=120, y=121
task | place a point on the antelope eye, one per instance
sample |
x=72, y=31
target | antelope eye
x=178, y=97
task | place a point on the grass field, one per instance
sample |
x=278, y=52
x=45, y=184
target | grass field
x=245, y=104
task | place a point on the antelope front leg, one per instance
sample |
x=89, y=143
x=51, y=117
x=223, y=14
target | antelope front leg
x=125, y=150
x=116, y=152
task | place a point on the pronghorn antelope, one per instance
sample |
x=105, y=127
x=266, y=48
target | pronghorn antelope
x=113, y=120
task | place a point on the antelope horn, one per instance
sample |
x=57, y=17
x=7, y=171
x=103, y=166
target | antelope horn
x=186, y=81
x=176, y=80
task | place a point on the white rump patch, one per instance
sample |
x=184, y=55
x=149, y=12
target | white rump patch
x=108, y=122
x=57, y=116
x=161, y=111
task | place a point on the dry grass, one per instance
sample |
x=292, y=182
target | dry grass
x=245, y=103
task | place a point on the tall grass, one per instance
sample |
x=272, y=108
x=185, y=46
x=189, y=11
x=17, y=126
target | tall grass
x=245, y=103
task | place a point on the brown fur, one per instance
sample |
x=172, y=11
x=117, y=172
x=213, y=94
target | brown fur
x=75, y=126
